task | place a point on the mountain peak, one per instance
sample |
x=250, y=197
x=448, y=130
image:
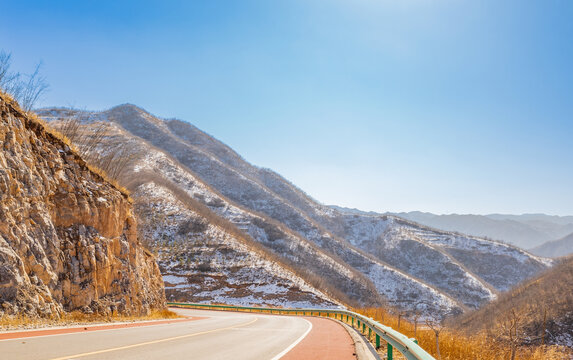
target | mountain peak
x=128, y=107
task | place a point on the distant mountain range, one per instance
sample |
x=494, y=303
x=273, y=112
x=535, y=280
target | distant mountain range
x=526, y=231
x=555, y=248
x=227, y=231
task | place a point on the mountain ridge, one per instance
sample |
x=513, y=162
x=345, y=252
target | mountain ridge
x=360, y=242
x=525, y=231
x=555, y=248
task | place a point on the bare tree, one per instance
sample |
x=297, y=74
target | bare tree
x=437, y=327
x=26, y=89
x=32, y=89
x=544, y=329
x=95, y=146
x=416, y=318
x=401, y=314
x=4, y=68
x=510, y=329
x=8, y=80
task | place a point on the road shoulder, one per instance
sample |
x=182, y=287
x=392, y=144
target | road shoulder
x=327, y=340
x=363, y=347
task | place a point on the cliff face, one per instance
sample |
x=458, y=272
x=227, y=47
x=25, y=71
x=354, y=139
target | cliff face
x=68, y=238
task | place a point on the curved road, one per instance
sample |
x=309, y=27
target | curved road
x=214, y=335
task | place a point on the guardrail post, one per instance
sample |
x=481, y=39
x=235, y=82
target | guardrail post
x=352, y=322
x=377, y=341
x=363, y=328
x=389, y=351
x=369, y=333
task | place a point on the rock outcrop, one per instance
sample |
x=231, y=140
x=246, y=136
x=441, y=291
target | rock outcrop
x=68, y=238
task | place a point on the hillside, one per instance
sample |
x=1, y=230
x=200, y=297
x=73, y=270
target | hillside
x=556, y=248
x=526, y=231
x=68, y=238
x=543, y=308
x=356, y=258
x=205, y=257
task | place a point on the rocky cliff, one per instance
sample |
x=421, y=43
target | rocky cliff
x=68, y=238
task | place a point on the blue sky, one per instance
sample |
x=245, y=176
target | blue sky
x=444, y=106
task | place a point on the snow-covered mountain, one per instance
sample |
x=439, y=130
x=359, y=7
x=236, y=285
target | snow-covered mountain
x=228, y=231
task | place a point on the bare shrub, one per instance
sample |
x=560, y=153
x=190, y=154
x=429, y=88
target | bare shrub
x=547, y=300
x=90, y=140
x=25, y=88
x=455, y=345
x=510, y=329
x=192, y=225
x=436, y=326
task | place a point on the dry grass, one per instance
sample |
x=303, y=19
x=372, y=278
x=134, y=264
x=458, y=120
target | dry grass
x=78, y=317
x=455, y=345
x=544, y=300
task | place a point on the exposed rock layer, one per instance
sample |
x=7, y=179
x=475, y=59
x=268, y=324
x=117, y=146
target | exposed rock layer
x=68, y=238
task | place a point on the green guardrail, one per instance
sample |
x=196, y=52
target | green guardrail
x=394, y=339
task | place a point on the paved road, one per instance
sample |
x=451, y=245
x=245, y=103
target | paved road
x=219, y=335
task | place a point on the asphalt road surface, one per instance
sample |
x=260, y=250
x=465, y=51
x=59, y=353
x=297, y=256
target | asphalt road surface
x=216, y=335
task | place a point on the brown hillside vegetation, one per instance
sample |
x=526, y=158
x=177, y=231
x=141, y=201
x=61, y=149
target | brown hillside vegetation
x=531, y=322
x=457, y=345
x=542, y=309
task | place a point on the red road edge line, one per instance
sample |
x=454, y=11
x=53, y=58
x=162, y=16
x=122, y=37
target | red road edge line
x=33, y=333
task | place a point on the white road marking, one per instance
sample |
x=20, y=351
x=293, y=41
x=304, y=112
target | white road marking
x=283, y=353
x=71, y=357
x=86, y=331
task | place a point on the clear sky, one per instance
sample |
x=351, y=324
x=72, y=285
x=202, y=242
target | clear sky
x=443, y=106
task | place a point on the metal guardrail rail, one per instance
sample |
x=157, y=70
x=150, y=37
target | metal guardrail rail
x=394, y=339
